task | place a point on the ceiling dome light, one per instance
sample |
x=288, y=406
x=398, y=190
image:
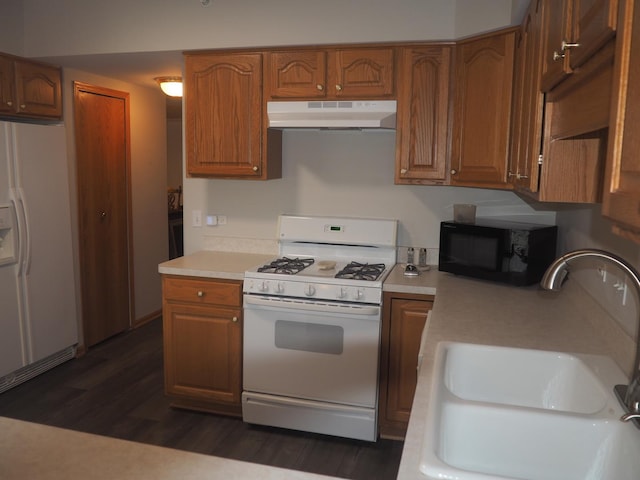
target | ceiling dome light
x=171, y=86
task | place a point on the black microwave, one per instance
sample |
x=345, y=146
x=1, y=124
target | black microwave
x=502, y=251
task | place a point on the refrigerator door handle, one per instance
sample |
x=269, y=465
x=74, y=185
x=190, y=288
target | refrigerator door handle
x=21, y=230
x=26, y=264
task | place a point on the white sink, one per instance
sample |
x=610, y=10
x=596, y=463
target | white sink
x=505, y=413
x=529, y=378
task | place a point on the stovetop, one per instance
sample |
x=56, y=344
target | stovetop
x=328, y=258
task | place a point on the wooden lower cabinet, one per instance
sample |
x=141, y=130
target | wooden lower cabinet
x=404, y=317
x=203, y=343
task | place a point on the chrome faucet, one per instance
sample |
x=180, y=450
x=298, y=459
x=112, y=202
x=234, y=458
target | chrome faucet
x=628, y=395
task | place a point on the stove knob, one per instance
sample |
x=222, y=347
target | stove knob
x=279, y=287
x=309, y=290
x=358, y=294
x=263, y=287
x=342, y=293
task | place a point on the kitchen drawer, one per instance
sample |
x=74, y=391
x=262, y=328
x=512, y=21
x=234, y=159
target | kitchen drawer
x=203, y=292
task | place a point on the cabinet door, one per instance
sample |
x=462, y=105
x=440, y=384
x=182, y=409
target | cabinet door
x=297, y=74
x=7, y=102
x=556, y=29
x=423, y=115
x=223, y=113
x=362, y=73
x=482, y=111
x=528, y=104
x=593, y=25
x=402, y=330
x=621, y=200
x=203, y=352
x=38, y=89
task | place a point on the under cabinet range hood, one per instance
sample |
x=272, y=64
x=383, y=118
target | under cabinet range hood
x=340, y=114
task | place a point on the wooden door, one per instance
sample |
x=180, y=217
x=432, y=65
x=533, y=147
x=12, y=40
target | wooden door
x=101, y=118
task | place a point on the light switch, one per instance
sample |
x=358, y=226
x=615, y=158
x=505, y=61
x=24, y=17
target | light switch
x=196, y=218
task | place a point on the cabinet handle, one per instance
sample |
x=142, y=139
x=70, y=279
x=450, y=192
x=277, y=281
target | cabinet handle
x=339, y=87
x=200, y=293
x=511, y=174
x=23, y=106
x=255, y=169
x=10, y=103
x=319, y=87
x=403, y=171
x=520, y=177
x=557, y=56
x=234, y=319
x=566, y=45
x=453, y=171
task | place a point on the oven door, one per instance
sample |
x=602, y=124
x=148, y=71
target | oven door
x=314, y=350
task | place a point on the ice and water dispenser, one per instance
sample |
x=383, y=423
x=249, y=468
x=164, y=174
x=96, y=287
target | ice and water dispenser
x=7, y=236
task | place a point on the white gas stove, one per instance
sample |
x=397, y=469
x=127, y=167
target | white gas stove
x=312, y=326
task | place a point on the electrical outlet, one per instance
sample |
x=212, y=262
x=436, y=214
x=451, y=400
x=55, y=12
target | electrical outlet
x=196, y=218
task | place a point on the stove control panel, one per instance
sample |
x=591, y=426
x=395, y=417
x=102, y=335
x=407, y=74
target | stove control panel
x=310, y=290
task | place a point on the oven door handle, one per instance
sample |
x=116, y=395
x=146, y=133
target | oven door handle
x=311, y=306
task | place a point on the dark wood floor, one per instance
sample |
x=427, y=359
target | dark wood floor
x=116, y=390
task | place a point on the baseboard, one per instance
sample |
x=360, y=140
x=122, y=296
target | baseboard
x=147, y=318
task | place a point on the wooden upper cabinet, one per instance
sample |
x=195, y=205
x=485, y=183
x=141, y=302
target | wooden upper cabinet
x=593, y=25
x=297, y=74
x=7, y=95
x=225, y=123
x=574, y=31
x=423, y=113
x=482, y=110
x=30, y=89
x=556, y=30
x=621, y=200
x=528, y=103
x=331, y=73
x=362, y=72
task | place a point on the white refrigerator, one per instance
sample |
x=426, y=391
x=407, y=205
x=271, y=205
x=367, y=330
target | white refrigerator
x=38, y=318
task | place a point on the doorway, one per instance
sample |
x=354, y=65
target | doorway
x=101, y=120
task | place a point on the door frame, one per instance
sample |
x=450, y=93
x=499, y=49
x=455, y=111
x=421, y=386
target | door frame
x=124, y=96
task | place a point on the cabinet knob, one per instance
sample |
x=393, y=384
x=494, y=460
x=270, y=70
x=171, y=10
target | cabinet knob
x=255, y=169
x=319, y=87
x=103, y=214
x=234, y=319
x=403, y=171
x=339, y=87
x=557, y=56
x=23, y=106
x=453, y=171
x=10, y=103
x=200, y=293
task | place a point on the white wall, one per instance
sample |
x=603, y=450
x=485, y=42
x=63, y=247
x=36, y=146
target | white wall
x=82, y=27
x=11, y=27
x=342, y=173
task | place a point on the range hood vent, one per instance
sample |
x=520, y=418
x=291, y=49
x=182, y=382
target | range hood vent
x=342, y=114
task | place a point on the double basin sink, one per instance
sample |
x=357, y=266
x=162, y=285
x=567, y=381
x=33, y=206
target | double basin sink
x=509, y=413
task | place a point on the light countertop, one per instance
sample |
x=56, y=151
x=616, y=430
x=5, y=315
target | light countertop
x=465, y=310
x=210, y=264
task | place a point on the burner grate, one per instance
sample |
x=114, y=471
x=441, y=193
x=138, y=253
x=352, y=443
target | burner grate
x=361, y=271
x=286, y=266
